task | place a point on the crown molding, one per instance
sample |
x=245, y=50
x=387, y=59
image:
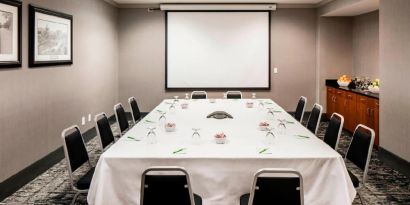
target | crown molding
x=112, y=3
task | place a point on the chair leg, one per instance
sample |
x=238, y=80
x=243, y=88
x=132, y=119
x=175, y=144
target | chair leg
x=360, y=197
x=75, y=198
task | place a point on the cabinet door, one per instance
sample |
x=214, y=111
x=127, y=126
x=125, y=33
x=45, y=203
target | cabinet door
x=362, y=110
x=350, y=113
x=330, y=101
x=340, y=102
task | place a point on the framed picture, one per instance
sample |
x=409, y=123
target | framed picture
x=50, y=37
x=10, y=33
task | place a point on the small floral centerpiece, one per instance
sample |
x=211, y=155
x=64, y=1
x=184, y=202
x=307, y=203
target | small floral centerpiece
x=184, y=105
x=374, y=87
x=263, y=126
x=170, y=126
x=220, y=138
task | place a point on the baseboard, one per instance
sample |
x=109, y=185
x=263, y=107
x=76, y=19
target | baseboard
x=394, y=161
x=15, y=182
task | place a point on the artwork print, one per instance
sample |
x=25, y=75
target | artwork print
x=50, y=38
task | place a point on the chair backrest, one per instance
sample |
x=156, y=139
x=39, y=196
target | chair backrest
x=284, y=187
x=74, y=150
x=104, y=130
x=166, y=189
x=300, y=109
x=334, y=130
x=314, y=118
x=234, y=95
x=121, y=117
x=199, y=95
x=360, y=148
x=135, y=110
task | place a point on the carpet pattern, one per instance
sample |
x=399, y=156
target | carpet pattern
x=384, y=185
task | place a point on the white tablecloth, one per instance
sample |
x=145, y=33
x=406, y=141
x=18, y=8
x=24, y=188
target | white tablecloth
x=220, y=174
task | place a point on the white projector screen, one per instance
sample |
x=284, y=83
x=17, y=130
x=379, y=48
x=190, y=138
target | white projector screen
x=218, y=49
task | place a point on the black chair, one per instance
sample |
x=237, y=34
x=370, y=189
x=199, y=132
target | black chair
x=300, y=109
x=199, y=95
x=76, y=156
x=359, y=153
x=334, y=130
x=104, y=130
x=284, y=188
x=121, y=118
x=314, y=118
x=135, y=110
x=167, y=189
x=234, y=95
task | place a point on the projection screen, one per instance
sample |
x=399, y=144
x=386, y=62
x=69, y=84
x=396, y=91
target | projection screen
x=217, y=50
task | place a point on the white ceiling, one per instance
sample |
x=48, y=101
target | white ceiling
x=218, y=1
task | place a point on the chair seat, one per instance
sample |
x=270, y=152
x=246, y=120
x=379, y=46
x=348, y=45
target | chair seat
x=85, y=181
x=197, y=199
x=244, y=200
x=354, y=179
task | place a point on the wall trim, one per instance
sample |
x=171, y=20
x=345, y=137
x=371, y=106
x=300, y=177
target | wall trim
x=112, y=3
x=394, y=161
x=156, y=6
x=26, y=175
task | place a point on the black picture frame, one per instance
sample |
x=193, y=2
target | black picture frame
x=167, y=88
x=32, y=18
x=17, y=63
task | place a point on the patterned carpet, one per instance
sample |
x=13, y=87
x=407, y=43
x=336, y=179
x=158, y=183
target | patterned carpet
x=384, y=186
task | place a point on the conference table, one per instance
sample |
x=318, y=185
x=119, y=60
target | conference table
x=220, y=173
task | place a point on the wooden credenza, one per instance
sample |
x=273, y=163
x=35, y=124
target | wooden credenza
x=355, y=108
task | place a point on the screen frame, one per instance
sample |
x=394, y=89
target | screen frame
x=216, y=88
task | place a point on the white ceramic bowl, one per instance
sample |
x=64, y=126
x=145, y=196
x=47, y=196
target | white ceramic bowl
x=343, y=84
x=221, y=140
x=263, y=128
x=374, y=89
x=184, y=105
x=211, y=100
x=169, y=128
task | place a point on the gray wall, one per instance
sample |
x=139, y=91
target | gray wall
x=142, y=57
x=395, y=72
x=37, y=104
x=366, y=45
x=334, y=51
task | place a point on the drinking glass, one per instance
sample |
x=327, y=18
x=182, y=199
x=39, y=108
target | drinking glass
x=225, y=96
x=172, y=108
x=176, y=98
x=282, y=127
x=151, y=136
x=261, y=106
x=162, y=119
x=195, y=135
x=270, y=136
x=253, y=95
x=186, y=96
x=271, y=113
